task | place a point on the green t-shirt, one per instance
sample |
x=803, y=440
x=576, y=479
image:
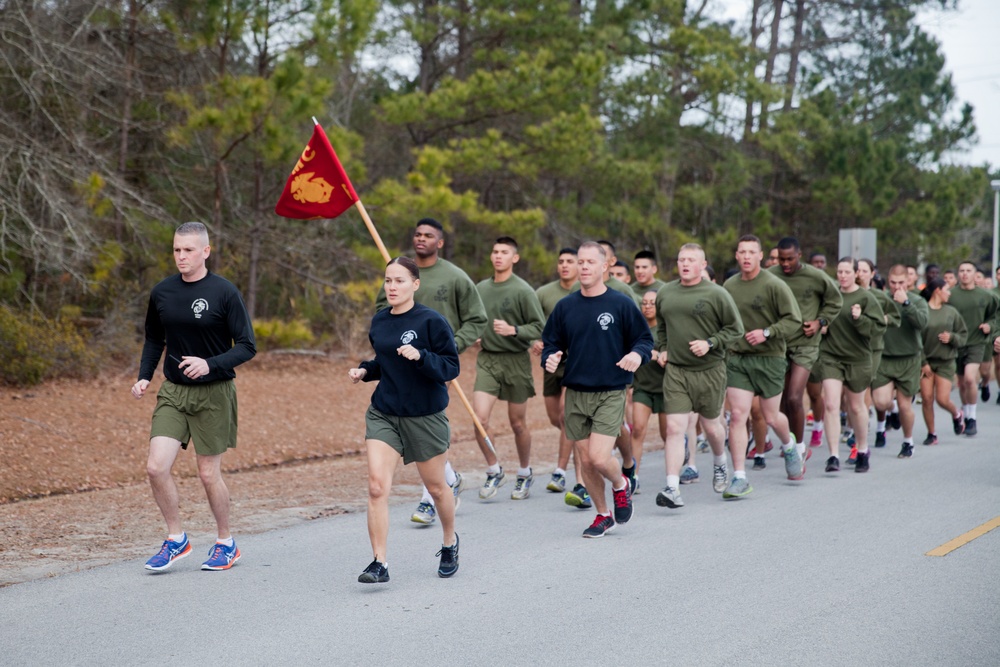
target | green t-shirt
x=514, y=302
x=849, y=339
x=619, y=286
x=550, y=293
x=976, y=306
x=448, y=290
x=639, y=290
x=940, y=320
x=907, y=339
x=649, y=376
x=817, y=295
x=703, y=311
x=764, y=302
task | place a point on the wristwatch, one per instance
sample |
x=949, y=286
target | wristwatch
x=767, y=332
x=823, y=322
x=906, y=303
x=710, y=343
x=515, y=329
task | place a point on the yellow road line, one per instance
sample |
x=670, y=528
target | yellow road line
x=964, y=539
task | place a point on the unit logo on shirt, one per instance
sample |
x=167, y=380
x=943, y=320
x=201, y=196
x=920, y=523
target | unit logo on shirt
x=758, y=304
x=199, y=306
x=442, y=294
x=408, y=337
x=700, y=307
x=605, y=320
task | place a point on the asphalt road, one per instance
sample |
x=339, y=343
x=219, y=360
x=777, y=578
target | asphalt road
x=828, y=571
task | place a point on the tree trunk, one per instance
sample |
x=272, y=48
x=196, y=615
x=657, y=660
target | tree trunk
x=793, y=54
x=130, y=58
x=755, y=31
x=772, y=54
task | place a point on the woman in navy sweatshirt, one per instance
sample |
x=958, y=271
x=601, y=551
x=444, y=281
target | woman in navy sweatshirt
x=415, y=356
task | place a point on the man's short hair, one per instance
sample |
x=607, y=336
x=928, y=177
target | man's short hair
x=815, y=254
x=645, y=254
x=507, y=240
x=622, y=264
x=192, y=228
x=691, y=246
x=750, y=238
x=970, y=263
x=595, y=245
x=568, y=251
x=897, y=270
x=607, y=243
x=430, y=222
x=789, y=242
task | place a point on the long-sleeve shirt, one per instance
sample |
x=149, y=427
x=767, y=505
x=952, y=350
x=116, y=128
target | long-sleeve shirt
x=687, y=313
x=907, y=339
x=817, y=295
x=891, y=317
x=594, y=333
x=939, y=321
x=411, y=388
x=205, y=318
x=976, y=306
x=849, y=339
x=764, y=302
x=649, y=376
x=514, y=302
x=551, y=293
x=448, y=290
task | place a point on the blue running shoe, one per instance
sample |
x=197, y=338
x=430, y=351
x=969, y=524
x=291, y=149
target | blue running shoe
x=578, y=497
x=169, y=553
x=221, y=557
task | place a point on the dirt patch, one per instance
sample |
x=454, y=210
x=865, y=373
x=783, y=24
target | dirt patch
x=73, y=489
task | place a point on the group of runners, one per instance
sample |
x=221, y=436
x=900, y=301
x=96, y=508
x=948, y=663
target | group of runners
x=720, y=365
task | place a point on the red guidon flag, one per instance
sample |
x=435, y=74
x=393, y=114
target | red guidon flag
x=318, y=186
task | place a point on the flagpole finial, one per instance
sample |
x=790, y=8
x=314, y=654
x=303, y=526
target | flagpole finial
x=315, y=122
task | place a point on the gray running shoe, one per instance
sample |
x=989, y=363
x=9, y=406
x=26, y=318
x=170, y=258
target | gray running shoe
x=794, y=466
x=457, y=487
x=738, y=487
x=689, y=475
x=522, y=487
x=719, y=478
x=425, y=514
x=669, y=497
x=492, y=483
x=558, y=483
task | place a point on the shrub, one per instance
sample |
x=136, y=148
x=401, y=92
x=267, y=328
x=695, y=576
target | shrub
x=34, y=349
x=277, y=334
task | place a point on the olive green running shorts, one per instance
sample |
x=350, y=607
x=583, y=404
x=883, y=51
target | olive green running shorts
x=762, y=376
x=506, y=375
x=944, y=368
x=653, y=401
x=204, y=413
x=552, y=382
x=587, y=412
x=702, y=391
x=969, y=355
x=415, y=438
x=803, y=355
x=903, y=372
x=856, y=375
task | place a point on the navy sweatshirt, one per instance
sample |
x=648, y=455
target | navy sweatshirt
x=595, y=332
x=205, y=318
x=411, y=388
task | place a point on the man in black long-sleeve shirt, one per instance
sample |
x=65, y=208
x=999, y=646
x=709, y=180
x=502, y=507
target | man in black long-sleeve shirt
x=200, y=319
x=605, y=339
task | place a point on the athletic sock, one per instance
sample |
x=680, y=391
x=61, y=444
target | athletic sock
x=788, y=445
x=177, y=538
x=719, y=460
x=908, y=441
x=449, y=474
x=494, y=469
x=629, y=471
x=559, y=471
x=965, y=410
x=880, y=427
x=624, y=484
x=972, y=411
x=426, y=498
x=818, y=426
x=673, y=481
x=801, y=446
x=740, y=474
x=895, y=406
x=226, y=542
x=524, y=472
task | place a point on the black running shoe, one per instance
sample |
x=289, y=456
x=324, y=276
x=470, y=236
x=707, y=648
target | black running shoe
x=759, y=463
x=931, y=439
x=906, y=452
x=376, y=573
x=630, y=476
x=880, y=439
x=984, y=392
x=970, y=427
x=892, y=421
x=602, y=524
x=959, y=425
x=862, y=464
x=623, y=503
x=449, y=559
x=833, y=464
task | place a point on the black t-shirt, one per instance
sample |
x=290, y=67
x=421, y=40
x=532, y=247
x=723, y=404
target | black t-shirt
x=205, y=318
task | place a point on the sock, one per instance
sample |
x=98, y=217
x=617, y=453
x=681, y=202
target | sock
x=818, y=426
x=623, y=486
x=908, y=441
x=449, y=474
x=524, y=472
x=788, y=445
x=693, y=467
x=740, y=474
x=426, y=498
x=494, y=469
x=895, y=406
x=626, y=471
x=971, y=414
x=801, y=446
x=673, y=481
x=227, y=542
x=965, y=410
x=880, y=427
x=719, y=460
x=177, y=538
x=559, y=471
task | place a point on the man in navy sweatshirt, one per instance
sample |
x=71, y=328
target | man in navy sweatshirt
x=604, y=339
